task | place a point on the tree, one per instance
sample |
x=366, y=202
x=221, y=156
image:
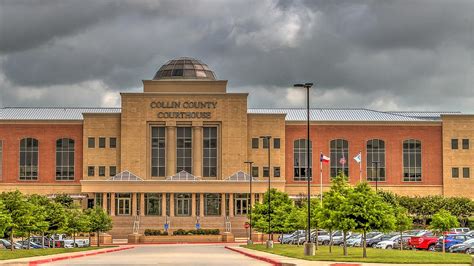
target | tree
x=40, y=213
x=78, y=221
x=443, y=221
x=99, y=221
x=403, y=222
x=65, y=200
x=368, y=211
x=461, y=207
x=325, y=217
x=56, y=217
x=5, y=218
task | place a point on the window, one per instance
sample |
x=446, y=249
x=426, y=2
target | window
x=254, y=143
x=300, y=159
x=375, y=160
x=465, y=172
x=65, y=159
x=1, y=158
x=254, y=171
x=465, y=144
x=90, y=171
x=455, y=172
x=29, y=159
x=454, y=144
x=184, y=149
x=153, y=204
x=101, y=142
x=212, y=204
x=182, y=204
x=101, y=170
x=99, y=199
x=276, y=171
x=91, y=142
x=113, y=143
x=411, y=160
x=339, y=157
x=257, y=197
x=122, y=203
x=276, y=143
x=209, y=152
x=266, y=172
x=112, y=170
x=158, y=149
x=265, y=143
x=241, y=201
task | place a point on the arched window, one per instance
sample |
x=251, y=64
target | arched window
x=29, y=159
x=375, y=160
x=65, y=159
x=339, y=157
x=412, y=160
x=300, y=159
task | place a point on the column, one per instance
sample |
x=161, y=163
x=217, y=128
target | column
x=193, y=205
x=142, y=204
x=171, y=204
x=170, y=150
x=231, y=204
x=197, y=149
x=223, y=204
x=112, y=204
x=104, y=201
x=252, y=199
x=134, y=204
x=201, y=204
x=163, y=204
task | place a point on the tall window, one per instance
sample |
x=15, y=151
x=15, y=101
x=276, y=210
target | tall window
x=1, y=158
x=465, y=144
x=375, y=153
x=210, y=152
x=123, y=203
x=300, y=159
x=254, y=143
x=29, y=159
x=153, y=204
x=184, y=149
x=65, y=159
x=241, y=203
x=212, y=204
x=182, y=204
x=339, y=157
x=412, y=160
x=158, y=142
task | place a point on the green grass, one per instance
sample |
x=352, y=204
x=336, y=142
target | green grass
x=373, y=255
x=6, y=254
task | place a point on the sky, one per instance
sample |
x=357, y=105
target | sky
x=383, y=55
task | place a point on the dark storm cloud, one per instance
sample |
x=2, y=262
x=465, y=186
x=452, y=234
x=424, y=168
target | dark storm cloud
x=376, y=54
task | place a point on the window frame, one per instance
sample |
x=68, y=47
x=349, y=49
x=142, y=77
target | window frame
x=158, y=152
x=465, y=144
x=104, y=139
x=181, y=160
x=68, y=151
x=276, y=169
x=101, y=167
x=31, y=177
x=300, y=152
x=185, y=199
x=114, y=170
x=153, y=197
x=454, y=144
x=212, y=198
x=454, y=172
x=466, y=170
x=91, y=142
x=255, y=169
x=255, y=143
x=114, y=146
x=276, y=143
x=382, y=168
x=89, y=167
x=404, y=179
x=334, y=154
x=210, y=163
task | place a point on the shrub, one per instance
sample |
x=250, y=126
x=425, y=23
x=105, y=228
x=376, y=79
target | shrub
x=155, y=232
x=181, y=232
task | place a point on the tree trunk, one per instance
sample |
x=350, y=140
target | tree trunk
x=98, y=239
x=330, y=241
x=364, y=244
x=344, y=244
x=42, y=239
x=73, y=239
x=11, y=239
x=316, y=238
x=401, y=240
x=443, y=243
x=90, y=239
x=28, y=240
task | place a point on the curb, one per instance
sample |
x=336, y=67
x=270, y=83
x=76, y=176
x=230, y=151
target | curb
x=261, y=258
x=73, y=256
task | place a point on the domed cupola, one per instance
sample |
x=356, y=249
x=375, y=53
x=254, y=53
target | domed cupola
x=184, y=68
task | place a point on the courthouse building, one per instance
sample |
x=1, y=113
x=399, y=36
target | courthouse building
x=175, y=153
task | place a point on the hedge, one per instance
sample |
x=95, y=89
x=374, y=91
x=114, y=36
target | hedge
x=181, y=232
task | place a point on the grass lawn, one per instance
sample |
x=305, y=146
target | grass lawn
x=373, y=255
x=6, y=254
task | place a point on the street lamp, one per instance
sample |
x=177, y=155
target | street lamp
x=249, y=241
x=270, y=240
x=376, y=175
x=309, y=248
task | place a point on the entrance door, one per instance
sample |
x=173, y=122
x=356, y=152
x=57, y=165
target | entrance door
x=123, y=206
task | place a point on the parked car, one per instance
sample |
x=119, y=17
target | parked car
x=302, y=238
x=320, y=234
x=449, y=240
x=460, y=230
x=424, y=240
x=470, y=250
x=404, y=240
x=5, y=243
x=287, y=238
x=372, y=241
x=388, y=241
x=463, y=247
x=353, y=240
x=339, y=240
x=24, y=244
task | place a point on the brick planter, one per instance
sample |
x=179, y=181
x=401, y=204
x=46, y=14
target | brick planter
x=104, y=238
x=180, y=239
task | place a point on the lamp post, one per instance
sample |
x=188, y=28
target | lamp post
x=376, y=175
x=249, y=241
x=309, y=248
x=270, y=240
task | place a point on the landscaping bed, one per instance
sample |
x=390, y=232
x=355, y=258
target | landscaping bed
x=180, y=235
x=6, y=254
x=373, y=255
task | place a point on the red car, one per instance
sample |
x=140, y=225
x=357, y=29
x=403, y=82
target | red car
x=424, y=240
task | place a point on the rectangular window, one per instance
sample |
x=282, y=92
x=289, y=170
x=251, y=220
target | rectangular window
x=112, y=170
x=209, y=152
x=212, y=204
x=29, y=150
x=101, y=142
x=182, y=204
x=300, y=160
x=276, y=143
x=412, y=160
x=168, y=196
x=455, y=172
x=90, y=171
x=98, y=200
x=184, y=151
x=158, y=149
x=465, y=172
x=454, y=144
x=227, y=202
x=153, y=204
x=276, y=171
x=241, y=203
x=1, y=159
x=254, y=143
x=257, y=197
x=65, y=159
x=113, y=143
x=123, y=203
x=465, y=144
x=266, y=172
x=265, y=143
x=255, y=171
x=101, y=170
x=91, y=142
x=375, y=160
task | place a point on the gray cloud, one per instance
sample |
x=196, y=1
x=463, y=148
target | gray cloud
x=375, y=54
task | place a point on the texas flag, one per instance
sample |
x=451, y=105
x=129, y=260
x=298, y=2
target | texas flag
x=324, y=158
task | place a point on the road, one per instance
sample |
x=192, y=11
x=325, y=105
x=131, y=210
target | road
x=167, y=255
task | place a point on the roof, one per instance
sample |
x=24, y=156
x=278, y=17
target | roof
x=125, y=176
x=292, y=114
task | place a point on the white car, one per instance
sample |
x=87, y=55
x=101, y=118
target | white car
x=354, y=240
x=389, y=243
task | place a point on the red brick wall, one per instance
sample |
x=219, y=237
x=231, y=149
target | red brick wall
x=46, y=134
x=357, y=136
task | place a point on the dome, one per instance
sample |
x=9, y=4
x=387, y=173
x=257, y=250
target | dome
x=184, y=68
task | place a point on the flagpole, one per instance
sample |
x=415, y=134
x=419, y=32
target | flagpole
x=360, y=167
x=321, y=178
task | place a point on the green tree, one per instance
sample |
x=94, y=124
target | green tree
x=461, y=207
x=78, y=221
x=99, y=221
x=5, y=218
x=442, y=222
x=403, y=222
x=368, y=211
x=326, y=218
x=295, y=220
x=57, y=218
x=65, y=200
x=40, y=213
